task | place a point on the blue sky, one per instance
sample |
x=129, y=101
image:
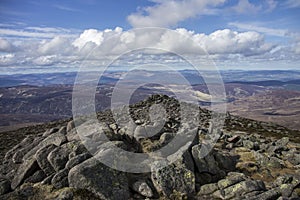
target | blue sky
x=238, y=34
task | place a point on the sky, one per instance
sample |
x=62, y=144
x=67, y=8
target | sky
x=56, y=35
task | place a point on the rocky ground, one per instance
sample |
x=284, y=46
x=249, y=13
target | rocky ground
x=251, y=160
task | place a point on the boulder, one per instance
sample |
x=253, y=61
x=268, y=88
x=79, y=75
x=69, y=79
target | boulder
x=56, y=139
x=38, y=176
x=103, y=181
x=207, y=164
x=59, y=157
x=208, y=189
x=4, y=186
x=26, y=169
x=178, y=176
x=77, y=160
x=41, y=157
x=60, y=179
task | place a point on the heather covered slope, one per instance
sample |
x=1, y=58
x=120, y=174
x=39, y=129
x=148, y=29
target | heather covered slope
x=251, y=160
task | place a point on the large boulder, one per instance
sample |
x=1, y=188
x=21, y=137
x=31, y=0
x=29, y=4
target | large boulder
x=178, y=176
x=55, y=138
x=103, y=181
x=26, y=169
x=59, y=157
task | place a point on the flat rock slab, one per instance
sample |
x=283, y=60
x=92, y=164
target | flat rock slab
x=26, y=169
x=103, y=181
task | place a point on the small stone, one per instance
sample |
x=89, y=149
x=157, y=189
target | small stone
x=142, y=188
x=233, y=139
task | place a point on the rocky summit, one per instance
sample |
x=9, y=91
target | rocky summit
x=250, y=160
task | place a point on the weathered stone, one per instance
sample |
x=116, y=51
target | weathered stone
x=103, y=181
x=25, y=142
x=55, y=138
x=178, y=176
x=19, y=154
x=142, y=188
x=38, y=176
x=59, y=157
x=282, y=142
x=47, y=180
x=77, y=160
x=60, y=179
x=243, y=187
x=165, y=138
x=26, y=169
x=4, y=186
x=70, y=126
x=270, y=194
x=63, y=130
x=41, y=157
x=208, y=189
x=231, y=179
x=206, y=164
x=233, y=139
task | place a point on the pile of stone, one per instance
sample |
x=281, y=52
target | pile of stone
x=56, y=164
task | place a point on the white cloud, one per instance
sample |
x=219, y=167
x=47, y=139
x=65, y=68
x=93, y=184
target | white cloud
x=55, y=46
x=5, y=45
x=224, y=45
x=261, y=29
x=169, y=13
x=90, y=35
x=244, y=6
x=292, y=3
x=33, y=33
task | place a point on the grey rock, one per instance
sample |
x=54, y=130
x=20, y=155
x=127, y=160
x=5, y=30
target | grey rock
x=60, y=179
x=70, y=126
x=59, y=157
x=103, y=181
x=243, y=187
x=208, y=189
x=63, y=130
x=41, y=157
x=142, y=188
x=47, y=180
x=26, y=169
x=56, y=139
x=19, y=154
x=178, y=176
x=268, y=195
x=231, y=179
x=38, y=176
x=206, y=164
x=4, y=186
x=77, y=160
x=165, y=138
x=282, y=142
x=25, y=142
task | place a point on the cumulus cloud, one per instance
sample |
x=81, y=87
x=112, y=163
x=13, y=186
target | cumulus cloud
x=223, y=44
x=169, y=13
x=5, y=45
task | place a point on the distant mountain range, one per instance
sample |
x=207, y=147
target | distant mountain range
x=271, y=96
